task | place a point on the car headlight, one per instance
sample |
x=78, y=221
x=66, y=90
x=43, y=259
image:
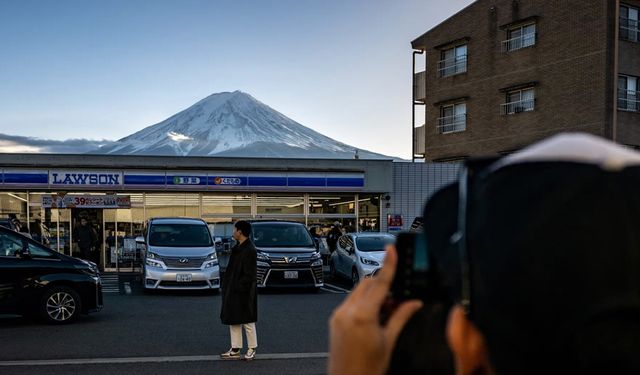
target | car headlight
x=151, y=255
x=262, y=257
x=369, y=262
x=211, y=260
x=153, y=263
x=315, y=256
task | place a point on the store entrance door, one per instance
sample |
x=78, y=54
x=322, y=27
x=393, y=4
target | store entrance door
x=94, y=220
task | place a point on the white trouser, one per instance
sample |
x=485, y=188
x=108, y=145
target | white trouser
x=236, y=335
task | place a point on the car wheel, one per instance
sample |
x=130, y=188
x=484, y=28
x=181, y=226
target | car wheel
x=355, y=278
x=60, y=305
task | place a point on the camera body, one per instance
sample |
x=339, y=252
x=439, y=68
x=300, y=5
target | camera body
x=411, y=278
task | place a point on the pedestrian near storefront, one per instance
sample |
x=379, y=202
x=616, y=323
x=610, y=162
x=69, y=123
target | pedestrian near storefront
x=334, y=234
x=239, y=294
x=86, y=237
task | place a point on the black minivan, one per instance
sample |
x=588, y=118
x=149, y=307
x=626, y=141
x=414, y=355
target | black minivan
x=37, y=281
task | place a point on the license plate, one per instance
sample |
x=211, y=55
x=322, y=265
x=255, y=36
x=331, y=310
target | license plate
x=183, y=277
x=290, y=274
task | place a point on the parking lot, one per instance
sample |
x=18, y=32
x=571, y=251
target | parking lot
x=170, y=332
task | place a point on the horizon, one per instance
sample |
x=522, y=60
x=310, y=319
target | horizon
x=105, y=71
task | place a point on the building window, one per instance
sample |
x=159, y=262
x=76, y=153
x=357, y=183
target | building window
x=628, y=94
x=520, y=37
x=629, y=27
x=453, y=61
x=453, y=118
x=519, y=101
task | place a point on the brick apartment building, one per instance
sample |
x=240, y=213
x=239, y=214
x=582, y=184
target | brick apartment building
x=501, y=74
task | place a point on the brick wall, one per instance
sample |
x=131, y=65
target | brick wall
x=569, y=64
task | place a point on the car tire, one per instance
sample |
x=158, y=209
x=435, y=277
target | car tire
x=60, y=305
x=355, y=277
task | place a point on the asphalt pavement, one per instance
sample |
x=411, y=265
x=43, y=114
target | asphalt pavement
x=173, y=332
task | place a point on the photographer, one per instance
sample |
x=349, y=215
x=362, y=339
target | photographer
x=542, y=264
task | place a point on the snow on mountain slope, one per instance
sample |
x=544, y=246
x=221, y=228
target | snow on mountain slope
x=232, y=124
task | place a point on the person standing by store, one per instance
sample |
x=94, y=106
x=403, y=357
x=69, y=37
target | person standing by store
x=240, y=295
x=334, y=234
x=86, y=237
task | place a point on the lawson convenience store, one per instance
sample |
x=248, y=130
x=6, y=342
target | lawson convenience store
x=118, y=193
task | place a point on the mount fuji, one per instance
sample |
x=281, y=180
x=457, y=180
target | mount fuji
x=233, y=124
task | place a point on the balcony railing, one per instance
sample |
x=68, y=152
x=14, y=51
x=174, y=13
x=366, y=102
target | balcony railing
x=419, y=140
x=517, y=107
x=629, y=29
x=629, y=100
x=520, y=42
x=452, y=66
x=420, y=86
x=452, y=124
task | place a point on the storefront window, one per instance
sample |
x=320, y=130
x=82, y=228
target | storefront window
x=332, y=204
x=280, y=204
x=226, y=204
x=172, y=205
x=14, y=206
x=369, y=212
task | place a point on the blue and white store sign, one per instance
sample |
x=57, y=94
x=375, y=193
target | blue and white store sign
x=179, y=180
x=85, y=178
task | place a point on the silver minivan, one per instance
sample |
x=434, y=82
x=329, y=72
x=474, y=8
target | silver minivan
x=179, y=253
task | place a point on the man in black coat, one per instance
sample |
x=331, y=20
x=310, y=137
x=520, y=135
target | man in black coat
x=86, y=238
x=240, y=295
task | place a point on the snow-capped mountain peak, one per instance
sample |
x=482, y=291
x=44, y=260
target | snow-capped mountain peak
x=233, y=124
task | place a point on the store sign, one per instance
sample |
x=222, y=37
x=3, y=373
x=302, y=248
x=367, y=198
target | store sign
x=228, y=181
x=180, y=180
x=394, y=222
x=80, y=178
x=86, y=201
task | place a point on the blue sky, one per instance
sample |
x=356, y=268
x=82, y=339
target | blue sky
x=106, y=69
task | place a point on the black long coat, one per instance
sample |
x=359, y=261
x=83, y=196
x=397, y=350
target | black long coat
x=239, y=289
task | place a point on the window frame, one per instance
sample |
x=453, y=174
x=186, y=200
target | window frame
x=626, y=28
x=459, y=64
x=506, y=107
x=453, y=115
x=522, y=37
x=635, y=95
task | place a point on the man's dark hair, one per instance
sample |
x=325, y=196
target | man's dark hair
x=244, y=227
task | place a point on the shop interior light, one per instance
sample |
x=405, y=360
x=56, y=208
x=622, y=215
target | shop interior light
x=17, y=197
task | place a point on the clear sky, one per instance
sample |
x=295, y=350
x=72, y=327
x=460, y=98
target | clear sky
x=106, y=69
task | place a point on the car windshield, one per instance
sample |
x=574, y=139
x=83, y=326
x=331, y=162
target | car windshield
x=179, y=235
x=281, y=235
x=374, y=243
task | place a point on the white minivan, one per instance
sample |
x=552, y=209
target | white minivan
x=179, y=253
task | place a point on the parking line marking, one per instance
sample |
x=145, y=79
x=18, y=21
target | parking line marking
x=337, y=287
x=330, y=290
x=192, y=358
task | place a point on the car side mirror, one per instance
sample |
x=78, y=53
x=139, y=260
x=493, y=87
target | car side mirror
x=140, y=240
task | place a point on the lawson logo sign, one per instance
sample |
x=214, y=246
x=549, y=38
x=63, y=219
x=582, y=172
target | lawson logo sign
x=83, y=178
